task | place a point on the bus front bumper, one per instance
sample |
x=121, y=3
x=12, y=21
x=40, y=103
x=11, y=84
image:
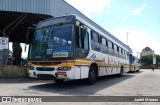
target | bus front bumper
x=66, y=75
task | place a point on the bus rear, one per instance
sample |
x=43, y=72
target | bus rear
x=134, y=63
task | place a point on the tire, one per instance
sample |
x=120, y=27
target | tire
x=92, y=76
x=121, y=72
x=134, y=69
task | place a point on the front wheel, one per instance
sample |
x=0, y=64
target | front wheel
x=92, y=77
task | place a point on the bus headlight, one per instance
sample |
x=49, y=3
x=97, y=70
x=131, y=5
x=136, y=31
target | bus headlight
x=31, y=68
x=66, y=68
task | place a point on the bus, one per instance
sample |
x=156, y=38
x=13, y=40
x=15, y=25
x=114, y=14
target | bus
x=71, y=48
x=134, y=63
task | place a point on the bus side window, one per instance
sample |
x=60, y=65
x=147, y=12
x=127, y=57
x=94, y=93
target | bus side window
x=78, y=39
x=103, y=46
x=117, y=51
x=127, y=55
x=82, y=38
x=130, y=58
x=95, y=45
x=113, y=46
x=82, y=42
x=110, y=47
x=85, y=39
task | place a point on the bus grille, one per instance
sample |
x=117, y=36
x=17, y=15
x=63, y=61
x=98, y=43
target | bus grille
x=45, y=69
x=45, y=76
x=46, y=63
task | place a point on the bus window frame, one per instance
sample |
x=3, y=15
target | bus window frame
x=103, y=44
x=79, y=48
x=95, y=43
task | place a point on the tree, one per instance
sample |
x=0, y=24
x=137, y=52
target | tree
x=158, y=60
x=147, y=61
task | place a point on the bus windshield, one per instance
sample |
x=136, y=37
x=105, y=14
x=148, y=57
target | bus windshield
x=53, y=42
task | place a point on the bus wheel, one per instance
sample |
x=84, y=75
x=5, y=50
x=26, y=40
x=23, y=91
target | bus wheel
x=134, y=69
x=92, y=77
x=59, y=80
x=121, y=72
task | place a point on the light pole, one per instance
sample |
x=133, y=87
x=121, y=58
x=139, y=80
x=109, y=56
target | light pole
x=127, y=37
x=137, y=54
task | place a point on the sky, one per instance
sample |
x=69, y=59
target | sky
x=139, y=18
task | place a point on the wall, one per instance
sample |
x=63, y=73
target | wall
x=11, y=71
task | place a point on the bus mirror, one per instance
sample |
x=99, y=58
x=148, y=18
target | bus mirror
x=83, y=26
x=29, y=35
x=25, y=48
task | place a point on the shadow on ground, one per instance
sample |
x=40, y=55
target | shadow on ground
x=136, y=72
x=79, y=87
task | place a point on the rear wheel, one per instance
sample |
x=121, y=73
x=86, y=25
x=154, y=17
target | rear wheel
x=92, y=77
x=134, y=69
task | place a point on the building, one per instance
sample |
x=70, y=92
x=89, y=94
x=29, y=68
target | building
x=147, y=51
x=18, y=15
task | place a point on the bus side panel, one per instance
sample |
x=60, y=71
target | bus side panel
x=84, y=71
x=104, y=68
x=70, y=74
x=127, y=66
x=110, y=68
x=101, y=71
x=122, y=63
x=77, y=73
x=103, y=61
x=115, y=65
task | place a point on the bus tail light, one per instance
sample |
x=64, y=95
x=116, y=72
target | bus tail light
x=62, y=73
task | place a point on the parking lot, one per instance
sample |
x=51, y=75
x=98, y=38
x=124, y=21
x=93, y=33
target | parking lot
x=143, y=83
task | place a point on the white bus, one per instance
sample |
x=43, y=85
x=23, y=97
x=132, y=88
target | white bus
x=134, y=63
x=69, y=48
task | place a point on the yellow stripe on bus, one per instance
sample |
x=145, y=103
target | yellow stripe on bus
x=74, y=63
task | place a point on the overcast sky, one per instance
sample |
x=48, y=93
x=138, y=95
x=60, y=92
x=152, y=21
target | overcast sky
x=140, y=18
